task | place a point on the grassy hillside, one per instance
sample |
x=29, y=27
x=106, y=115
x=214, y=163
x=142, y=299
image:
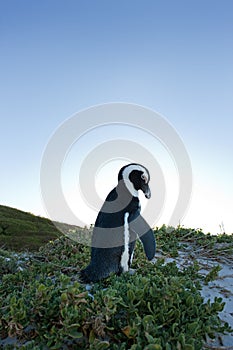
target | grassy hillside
x=21, y=231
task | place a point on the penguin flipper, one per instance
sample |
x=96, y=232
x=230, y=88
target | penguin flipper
x=148, y=241
x=145, y=234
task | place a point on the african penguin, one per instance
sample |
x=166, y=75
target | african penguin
x=118, y=225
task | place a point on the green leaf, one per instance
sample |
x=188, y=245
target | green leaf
x=130, y=295
x=193, y=327
x=92, y=337
x=147, y=320
x=153, y=347
x=149, y=338
x=190, y=300
x=72, y=331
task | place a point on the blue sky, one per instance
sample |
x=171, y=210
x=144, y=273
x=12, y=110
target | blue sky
x=58, y=57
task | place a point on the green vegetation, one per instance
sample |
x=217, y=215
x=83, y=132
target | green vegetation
x=21, y=231
x=171, y=240
x=43, y=305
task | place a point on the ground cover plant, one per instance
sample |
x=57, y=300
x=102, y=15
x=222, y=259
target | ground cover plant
x=43, y=305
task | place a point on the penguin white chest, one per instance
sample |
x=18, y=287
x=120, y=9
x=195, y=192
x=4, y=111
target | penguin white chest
x=125, y=255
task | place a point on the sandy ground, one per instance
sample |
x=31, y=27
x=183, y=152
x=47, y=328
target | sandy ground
x=222, y=287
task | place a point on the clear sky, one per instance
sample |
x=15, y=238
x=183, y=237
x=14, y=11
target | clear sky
x=173, y=56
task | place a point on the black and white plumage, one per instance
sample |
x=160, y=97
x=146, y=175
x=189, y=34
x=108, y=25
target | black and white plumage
x=118, y=225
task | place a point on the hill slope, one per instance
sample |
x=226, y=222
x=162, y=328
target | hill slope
x=20, y=230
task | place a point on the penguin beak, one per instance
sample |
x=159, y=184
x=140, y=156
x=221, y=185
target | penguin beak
x=146, y=191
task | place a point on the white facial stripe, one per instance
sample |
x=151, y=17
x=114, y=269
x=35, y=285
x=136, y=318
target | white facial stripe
x=127, y=181
x=125, y=255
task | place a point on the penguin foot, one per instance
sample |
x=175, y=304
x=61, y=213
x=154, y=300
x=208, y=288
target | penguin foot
x=90, y=275
x=83, y=277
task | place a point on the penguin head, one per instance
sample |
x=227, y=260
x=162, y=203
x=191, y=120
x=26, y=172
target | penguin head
x=135, y=177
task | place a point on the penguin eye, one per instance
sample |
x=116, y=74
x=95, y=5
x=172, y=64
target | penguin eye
x=143, y=177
